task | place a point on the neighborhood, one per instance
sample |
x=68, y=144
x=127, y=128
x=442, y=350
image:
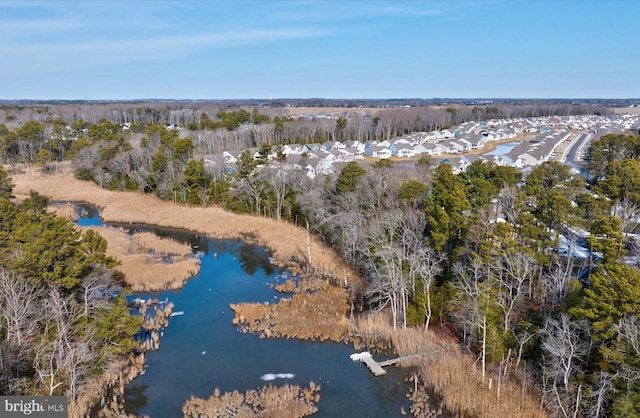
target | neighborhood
x=534, y=141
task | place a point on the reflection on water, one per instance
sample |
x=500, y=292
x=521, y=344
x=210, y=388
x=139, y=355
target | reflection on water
x=202, y=350
x=88, y=215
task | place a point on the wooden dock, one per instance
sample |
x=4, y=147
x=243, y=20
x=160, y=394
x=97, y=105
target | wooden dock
x=376, y=368
x=373, y=366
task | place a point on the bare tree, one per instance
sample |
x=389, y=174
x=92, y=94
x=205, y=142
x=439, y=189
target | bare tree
x=20, y=309
x=566, y=345
x=603, y=384
x=555, y=281
x=506, y=204
x=469, y=280
x=513, y=272
x=96, y=288
x=425, y=263
x=629, y=212
x=279, y=186
x=21, y=317
x=384, y=264
x=629, y=329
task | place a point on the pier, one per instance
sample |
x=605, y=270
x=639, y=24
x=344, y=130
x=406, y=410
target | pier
x=376, y=368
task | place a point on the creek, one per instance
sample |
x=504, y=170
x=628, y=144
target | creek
x=201, y=349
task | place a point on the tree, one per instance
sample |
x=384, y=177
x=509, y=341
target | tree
x=413, y=192
x=36, y=202
x=50, y=250
x=447, y=210
x=610, y=148
x=566, y=346
x=550, y=189
x=195, y=181
x=341, y=125
x=95, y=247
x=6, y=186
x=613, y=292
x=622, y=179
x=349, y=177
x=246, y=164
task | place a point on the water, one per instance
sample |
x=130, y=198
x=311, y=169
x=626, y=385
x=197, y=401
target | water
x=202, y=350
x=503, y=149
x=88, y=215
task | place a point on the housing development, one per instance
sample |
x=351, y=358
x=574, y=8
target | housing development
x=533, y=141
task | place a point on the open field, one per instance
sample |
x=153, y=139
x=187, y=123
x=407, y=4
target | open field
x=627, y=110
x=288, y=242
x=300, y=111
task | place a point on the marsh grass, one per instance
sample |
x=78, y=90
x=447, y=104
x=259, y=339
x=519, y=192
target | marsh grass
x=66, y=210
x=287, y=241
x=149, y=262
x=288, y=401
x=456, y=376
x=318, y=314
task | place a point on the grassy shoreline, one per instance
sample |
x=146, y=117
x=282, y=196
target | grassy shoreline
x=287, y=241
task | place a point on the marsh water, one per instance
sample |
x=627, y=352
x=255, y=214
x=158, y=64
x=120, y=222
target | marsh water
x=202, y=350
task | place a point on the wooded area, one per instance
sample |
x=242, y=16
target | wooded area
x=63, y=316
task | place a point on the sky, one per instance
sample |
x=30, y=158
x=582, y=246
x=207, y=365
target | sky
x=121, y=50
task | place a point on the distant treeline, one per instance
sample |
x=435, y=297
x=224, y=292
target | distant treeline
x=236, y=128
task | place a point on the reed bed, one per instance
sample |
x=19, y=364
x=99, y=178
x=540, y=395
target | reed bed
x=287, y=241
x=106, y=390
x=455, y=375
x=149, y=262
x=308, y=314
x=65, y=210
x=288, y=401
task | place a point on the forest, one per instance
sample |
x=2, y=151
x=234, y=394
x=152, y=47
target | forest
x=490, y=253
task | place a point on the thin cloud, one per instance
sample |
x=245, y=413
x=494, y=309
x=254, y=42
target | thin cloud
x=360, y=11
x=206, y=40
x=61, y=55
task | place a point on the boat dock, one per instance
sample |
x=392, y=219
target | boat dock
x=373, y=366
x=376, y=368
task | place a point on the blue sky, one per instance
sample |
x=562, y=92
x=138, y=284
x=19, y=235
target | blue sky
x=121, y=50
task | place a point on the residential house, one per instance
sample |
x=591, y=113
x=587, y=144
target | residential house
x=403, y=150
x=376, y=151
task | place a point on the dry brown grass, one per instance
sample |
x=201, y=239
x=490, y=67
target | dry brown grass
x=66, y=210
x=144, y=259
x=288, y=401
x=456, y=376
x=287, y=241
x=317, y=310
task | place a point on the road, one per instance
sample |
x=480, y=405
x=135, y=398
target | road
x=574, y=155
